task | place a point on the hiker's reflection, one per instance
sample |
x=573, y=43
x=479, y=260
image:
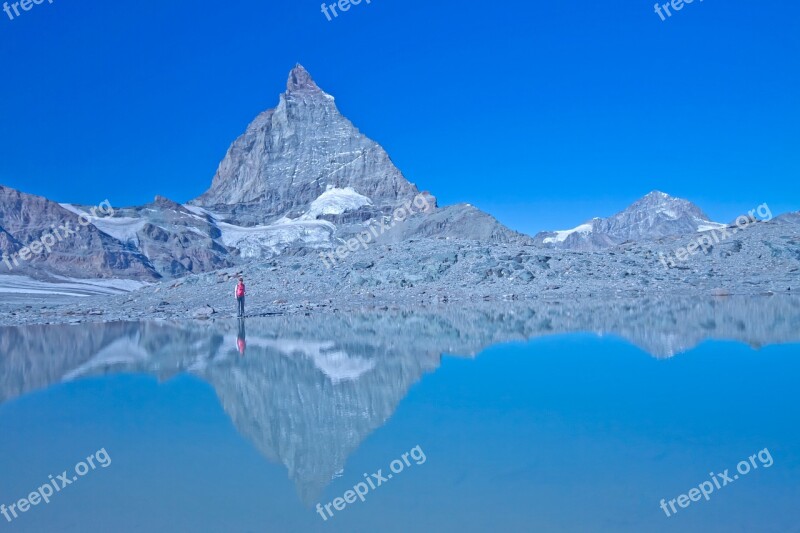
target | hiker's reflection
x=241, y=339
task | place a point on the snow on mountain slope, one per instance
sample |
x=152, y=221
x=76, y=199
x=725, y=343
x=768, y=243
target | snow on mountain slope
x=710, y=226
x=201, y=212
x=124, y=229
x=271, y=239
x=261, y=241
x=335, y=201
x=67, y=286
x=561, y=236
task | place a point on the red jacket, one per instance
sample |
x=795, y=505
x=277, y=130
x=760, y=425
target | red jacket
x=240, y=290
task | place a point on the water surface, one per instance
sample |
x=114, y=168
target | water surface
x=553, y=418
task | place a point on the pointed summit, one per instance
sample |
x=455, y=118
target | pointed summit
x=656, y=198
x=289, y=155
x=300, y=80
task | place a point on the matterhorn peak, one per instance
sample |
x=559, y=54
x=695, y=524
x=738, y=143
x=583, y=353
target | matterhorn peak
x=300, y=80
x=288, y=155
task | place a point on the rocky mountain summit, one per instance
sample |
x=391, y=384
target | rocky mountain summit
x=291, y=155
x=652, y=217
x=301, y=179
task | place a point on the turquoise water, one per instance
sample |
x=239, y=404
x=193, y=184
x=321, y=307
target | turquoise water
x=562, y=433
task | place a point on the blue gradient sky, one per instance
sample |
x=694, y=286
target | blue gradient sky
x=543, y=113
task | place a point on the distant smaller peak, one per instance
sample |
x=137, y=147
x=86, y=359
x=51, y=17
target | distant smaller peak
x=162, y=201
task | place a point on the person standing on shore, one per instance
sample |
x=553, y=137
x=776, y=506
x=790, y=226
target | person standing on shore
x=240, y=293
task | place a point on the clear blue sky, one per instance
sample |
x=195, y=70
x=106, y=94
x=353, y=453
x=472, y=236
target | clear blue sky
x=543, y=113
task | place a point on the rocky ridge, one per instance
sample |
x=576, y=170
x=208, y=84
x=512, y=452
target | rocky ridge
x=762, y=259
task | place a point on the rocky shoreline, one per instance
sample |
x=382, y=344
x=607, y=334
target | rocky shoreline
x=431, y=272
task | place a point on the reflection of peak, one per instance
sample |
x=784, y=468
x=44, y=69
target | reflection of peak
x=296, y=414
x=307, y=401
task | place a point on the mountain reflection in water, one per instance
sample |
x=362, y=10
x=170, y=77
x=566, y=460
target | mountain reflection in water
x=307, y=390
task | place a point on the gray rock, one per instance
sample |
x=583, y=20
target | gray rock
x=204, y=313
x=86, y=253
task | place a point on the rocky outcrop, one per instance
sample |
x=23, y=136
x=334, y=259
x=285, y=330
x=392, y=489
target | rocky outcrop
x=461, y=221
x=177, y=241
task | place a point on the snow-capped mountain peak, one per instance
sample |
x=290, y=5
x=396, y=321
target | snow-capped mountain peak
x=653, y=216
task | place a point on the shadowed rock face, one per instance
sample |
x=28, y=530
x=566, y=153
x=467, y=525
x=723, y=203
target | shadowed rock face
x=309, y=389
x=25, y=218
x=177, y=241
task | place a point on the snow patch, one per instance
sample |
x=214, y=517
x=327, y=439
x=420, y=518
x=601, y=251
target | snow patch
x=561, y=236
x=199, y=211
x=253, y=241
x=68, y=286
x=335, y=201
x=121, y=228
x=708, y=226
x=337, y=365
